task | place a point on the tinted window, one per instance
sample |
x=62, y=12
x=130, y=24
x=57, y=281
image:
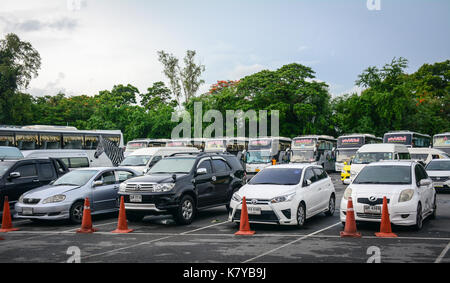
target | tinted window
x=220, y=166
x=108, y=178
x=384, y=174
x=207, y=165
x=321, y=174
x=123, y=176
x=180, y=165
x=47, y=170
x=277, y=176
x=27, y=170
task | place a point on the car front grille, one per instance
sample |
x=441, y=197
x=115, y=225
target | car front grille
x=145, y=187
x=257, y=201
x=367, y=201
x=31, y=201
x=266, y=216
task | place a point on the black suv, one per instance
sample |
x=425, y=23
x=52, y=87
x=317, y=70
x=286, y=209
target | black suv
x=20, y=176
x=181, y=184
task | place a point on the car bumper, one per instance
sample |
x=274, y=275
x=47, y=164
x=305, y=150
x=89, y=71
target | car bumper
x=55, y=211
x=152, y=204
x=276, y=214
x=403, y=214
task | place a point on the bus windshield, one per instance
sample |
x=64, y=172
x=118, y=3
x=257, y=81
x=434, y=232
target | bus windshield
x=345, y=155
x=258, y=157
x=260, y=144
x=302, y=156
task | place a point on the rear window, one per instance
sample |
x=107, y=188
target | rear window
x=277, y=176
x=384, y=174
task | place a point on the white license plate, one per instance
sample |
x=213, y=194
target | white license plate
x=438, y=185
x=135, y=198
x=254, y=210
x=375, y=209
x=27, y=211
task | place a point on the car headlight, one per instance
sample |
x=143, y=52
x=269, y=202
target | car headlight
x=282, y=198
x=406, y=195
x=53, y=199
x=236, y=197
x=158, y=188
x=348, y=193
x=21, y=199
x=122, y=187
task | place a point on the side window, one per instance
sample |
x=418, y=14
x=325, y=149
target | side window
x=419, y=174
x=28, y=170
x=424, y=172
x=108, y=178
x=434, y=156
x=405, y=156
x=79, y=162
x=220, y=166
x=155, y=159
x=309, y=175
x=206, y=164
x=47, y=171
x=321, y=174
x=122, y=176
x=66, y=161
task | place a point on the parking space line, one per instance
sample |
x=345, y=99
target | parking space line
x=442, y=255
x=96, y=225
x=292, y=242
x=217, y=224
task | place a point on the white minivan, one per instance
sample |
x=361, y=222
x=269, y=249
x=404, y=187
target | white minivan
x=376, y=152
x=73, y=158
x=143, y=159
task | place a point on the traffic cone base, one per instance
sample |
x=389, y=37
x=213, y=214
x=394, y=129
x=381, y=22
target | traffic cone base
x=86, y=223
x=6, y=219
x=9, y=230
x=122, y=225
x=244, y=229
x=385, y=226
x=386, y=235
x=244, y=233
x=350, y=222
x=350, y=235
x=87, y=231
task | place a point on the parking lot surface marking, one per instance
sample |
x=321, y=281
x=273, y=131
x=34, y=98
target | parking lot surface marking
x=442, y=255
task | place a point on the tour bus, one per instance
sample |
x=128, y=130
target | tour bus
x=347, y=145
x=408, y=138
x=261, y=152
x=442, y=142
x=198, y=143
x=234, y=145
x=144, y=143
x=45, y=138
x=315, y=149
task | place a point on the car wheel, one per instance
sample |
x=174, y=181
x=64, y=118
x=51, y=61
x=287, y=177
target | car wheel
x=434, y=214
x=76, y=212
x=419, y=218
x=331, y=206
x=301, y=215
x=134, y=217
x=186, y=211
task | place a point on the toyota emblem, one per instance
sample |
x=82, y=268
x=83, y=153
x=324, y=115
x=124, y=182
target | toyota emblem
x=138, y=187
x=373, y=199
x=254, y=201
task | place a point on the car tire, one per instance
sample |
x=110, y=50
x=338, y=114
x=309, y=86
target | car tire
x=301, y=215
x=76, y=212
x=134, y=217
x=434, y=214
x=419, y=218
x=331, y=206
x=185, y=213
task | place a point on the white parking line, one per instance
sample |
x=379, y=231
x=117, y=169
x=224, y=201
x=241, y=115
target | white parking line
x=290, y=243
x=441, y=256
x=217, y=224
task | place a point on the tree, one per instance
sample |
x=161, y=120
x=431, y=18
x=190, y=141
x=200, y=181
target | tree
x=183, y=82
x=156, y=95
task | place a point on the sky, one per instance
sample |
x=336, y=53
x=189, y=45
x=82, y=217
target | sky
x=91, y=45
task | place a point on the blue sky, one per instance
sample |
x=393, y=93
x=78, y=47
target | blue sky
x=109, y=42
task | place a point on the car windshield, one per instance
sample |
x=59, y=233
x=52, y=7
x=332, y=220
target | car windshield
x=277, y=176
x=302, y=156
x=4, y=168
x=439, y=165
x=369, y=157
x=180, y=165
x=75, y=178
x=10, y=153
x=384, y=174
x=258, y=157
x=345, y=155
x=136, y=160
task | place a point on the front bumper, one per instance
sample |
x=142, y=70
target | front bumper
x=277, y=214
x=151, y=203
x=50, y=211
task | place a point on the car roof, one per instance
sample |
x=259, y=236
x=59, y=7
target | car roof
x=153, y=150
x=383, y=147
x=394, y=162
x=294, y=166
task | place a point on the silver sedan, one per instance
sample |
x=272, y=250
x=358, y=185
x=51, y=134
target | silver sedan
x=64, y=198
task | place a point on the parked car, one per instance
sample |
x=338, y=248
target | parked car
x=10, y=153
x=20, y=176
x=285, y=195
x=143, y=159
x=181, y=184
x=64, y=198
x=406, y=185
x=439, y=172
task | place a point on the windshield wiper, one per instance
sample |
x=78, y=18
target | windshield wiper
x=66, y=185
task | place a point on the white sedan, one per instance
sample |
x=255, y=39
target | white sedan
x=406, y=185
x=285, y=195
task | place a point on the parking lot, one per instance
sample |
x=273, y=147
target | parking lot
x=211, y=239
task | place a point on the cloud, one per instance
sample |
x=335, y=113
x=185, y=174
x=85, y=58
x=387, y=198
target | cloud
x=241, y=71
x=51, y=88
x=32, y=25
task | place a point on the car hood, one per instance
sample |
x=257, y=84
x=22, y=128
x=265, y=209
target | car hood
x=156, y=178
x=357, y=167
x=438, y=173
x=378, y=191
x=48, y=191
x=265, y=191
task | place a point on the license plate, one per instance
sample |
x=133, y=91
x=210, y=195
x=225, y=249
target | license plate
x=254, y=210
x=439, y=185
x=135, y=198
x=376, y=209
x=27, y=211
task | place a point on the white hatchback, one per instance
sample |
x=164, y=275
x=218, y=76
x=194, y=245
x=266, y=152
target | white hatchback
x=285, y=195
x=406, y=185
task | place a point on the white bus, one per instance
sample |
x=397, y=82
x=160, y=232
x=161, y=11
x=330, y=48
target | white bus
x=144, y=143
x=51, y=138
x=231, y=145
x=315, y=149
x=408, y=138
x=442, y=142
x=348, y=145
x=261, y=152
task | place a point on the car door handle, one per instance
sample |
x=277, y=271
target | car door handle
x=35, y=180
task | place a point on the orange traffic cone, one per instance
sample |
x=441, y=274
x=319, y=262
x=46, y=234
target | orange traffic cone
x=86, y=224
x=122, y=226
x=350, y=222
x=6, y=220
x=245, y=224
x=385, y=229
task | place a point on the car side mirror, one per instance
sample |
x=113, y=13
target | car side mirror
x=14, y=175
x=201, y=171
x=425, y=182
x=308, y=182
x=97, y=183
